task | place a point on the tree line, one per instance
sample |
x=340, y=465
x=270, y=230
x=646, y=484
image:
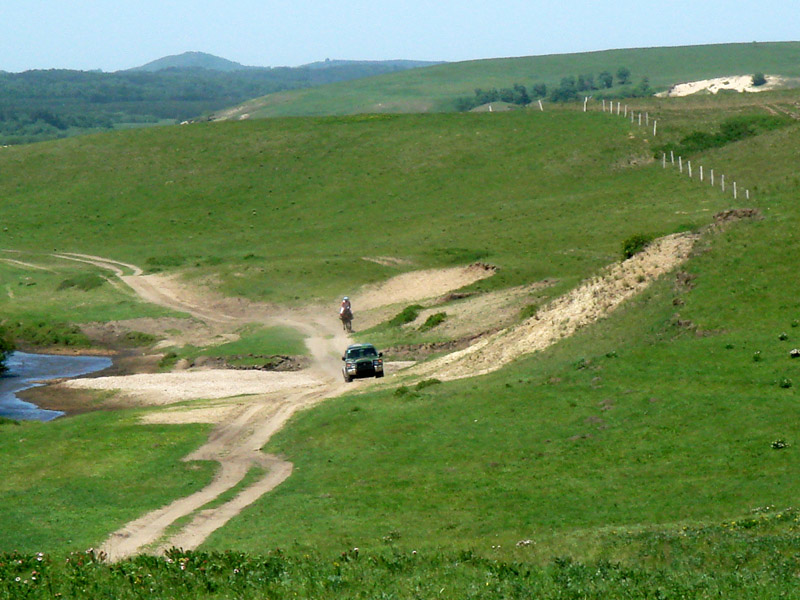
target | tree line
x=46, y=104
x=570, y=88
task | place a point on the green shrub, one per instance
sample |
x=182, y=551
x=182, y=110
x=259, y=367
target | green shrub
x=635, y=244
x=408, y=314
x=138, y=338
x=731, y=130
x=6, y=347
x=158, y=262
x=406, y=392
x=426, y=383
x=168, y=360
x=759, y=79
x=84, y=282
x=43, y=333
x=433, y=321
x=528, y=311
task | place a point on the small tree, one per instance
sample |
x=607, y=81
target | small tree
x=623, y=75
x=643, y=88
x=539, y=90
x=566, y=91
x=6, y=348
x=605, y=80
x=507, y=95
x=521, y=95
x=759, y=79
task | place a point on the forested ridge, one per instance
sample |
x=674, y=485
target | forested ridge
x=46, y=104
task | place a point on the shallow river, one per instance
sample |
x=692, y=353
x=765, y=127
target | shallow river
x=27, y=370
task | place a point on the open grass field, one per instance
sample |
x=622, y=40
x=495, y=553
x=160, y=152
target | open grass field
x=66, y=481
x=286, y=210
x=642, y=452
x=435, y=88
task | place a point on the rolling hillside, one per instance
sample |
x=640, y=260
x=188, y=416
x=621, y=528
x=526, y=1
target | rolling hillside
x=650, y=453
x=436, y=88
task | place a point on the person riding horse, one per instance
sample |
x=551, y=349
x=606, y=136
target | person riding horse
x=346, y=313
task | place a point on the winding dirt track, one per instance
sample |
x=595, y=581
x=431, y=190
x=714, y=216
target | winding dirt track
x=244, y=424
x=245, y=427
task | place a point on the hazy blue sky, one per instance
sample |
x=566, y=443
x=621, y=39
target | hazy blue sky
x=120, y=34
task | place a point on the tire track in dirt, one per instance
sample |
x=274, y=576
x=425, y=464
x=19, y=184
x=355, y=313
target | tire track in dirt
x=237, y=440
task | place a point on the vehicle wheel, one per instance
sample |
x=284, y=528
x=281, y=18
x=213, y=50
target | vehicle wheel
x=347, y=379
x=378, y=375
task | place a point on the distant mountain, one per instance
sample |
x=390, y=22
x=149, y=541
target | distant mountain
x=192, y=60
x=399, y=65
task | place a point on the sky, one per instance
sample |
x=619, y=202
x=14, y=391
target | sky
x=121, y=34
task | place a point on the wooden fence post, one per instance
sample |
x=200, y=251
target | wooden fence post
x=712, y=177
x=680, y=163
x=690, y=168
x=701, y=172
x=722, y=181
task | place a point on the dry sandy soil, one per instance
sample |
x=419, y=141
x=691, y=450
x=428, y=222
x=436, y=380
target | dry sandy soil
x=248, y=407
x=739, y=83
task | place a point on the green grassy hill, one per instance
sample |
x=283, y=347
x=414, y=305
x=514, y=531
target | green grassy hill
x=286, y=210
x=436, y=88
x=654, y=450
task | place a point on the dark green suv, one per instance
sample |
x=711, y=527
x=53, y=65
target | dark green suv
x=362, y=360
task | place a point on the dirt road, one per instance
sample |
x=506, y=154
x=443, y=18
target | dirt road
x=249, y=406
x=248, y=410
x=244, y=423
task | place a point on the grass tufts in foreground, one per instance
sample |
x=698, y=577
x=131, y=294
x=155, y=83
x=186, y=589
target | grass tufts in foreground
x=753, y=558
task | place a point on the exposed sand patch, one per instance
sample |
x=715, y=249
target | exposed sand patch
x=167, y=388
x=587, y=303
x=738, y=83
x=419, y=285
x=481, y=312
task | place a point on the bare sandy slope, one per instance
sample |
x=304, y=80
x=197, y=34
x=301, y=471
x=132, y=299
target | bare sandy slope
x=419, y=285
x=738, y=83
x=587, y=303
